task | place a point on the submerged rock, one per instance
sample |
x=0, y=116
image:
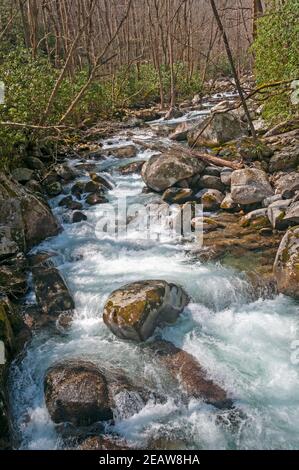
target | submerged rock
x=163, y=171
x=191, y=376
x=77, y=392
x=51, y=291
x=136, y=310
x=286, y=266
x=250, y=186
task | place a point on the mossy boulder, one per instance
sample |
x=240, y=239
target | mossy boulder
x=257, y=219
x=177, y=195
x=136, y=310
x=222, y=128
x=286, y=266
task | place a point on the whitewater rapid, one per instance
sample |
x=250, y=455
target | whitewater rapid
x=243, y=342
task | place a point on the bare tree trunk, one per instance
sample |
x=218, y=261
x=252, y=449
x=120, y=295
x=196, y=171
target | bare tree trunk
x=234, y=71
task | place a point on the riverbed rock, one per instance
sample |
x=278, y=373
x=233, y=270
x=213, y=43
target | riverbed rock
x=34, y=163
x=29, y=215
x=103, y=443
x=78, y=217
x=65, y=172
x=292, y=214
x=13, y=281
x=228, y=204
x=287, y=184
x=181, y=131
x=276, y=213
x=70, y=203
x=212, y=200
x=285, y=159
x=132, y=168
x=177, y=195
x=286, y=266
x=99, y=179
x=164, y=171
x=211, y=182
x=250, y=186
x=125, y=151
x=257, y=219
x=223, y=128
x=8, y=246
x=95, y=199
x=51, y=291
x=226, y=176
x=77, y=392
x=22, y=175
x=134, y=311
x=54, y=189
x=190, y=375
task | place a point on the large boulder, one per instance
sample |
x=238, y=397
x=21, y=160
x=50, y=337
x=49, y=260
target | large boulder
x=223, y=128
x=286, y=266
x=250, y=186
x=134, y=311
x=287, y=184
x=77, y=392
x=28, y=215
x=285, y=159
x=191, y=376
x=163, y=171
x=51, y=291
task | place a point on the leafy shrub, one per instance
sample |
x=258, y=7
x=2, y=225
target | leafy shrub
x=276, y=55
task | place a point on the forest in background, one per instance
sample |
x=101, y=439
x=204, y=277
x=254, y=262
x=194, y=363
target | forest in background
x=70, y=63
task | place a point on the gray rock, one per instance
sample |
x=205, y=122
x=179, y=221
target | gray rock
x=164, y=171
x=213, y=171
x=22, y=175
x=54, y=189
x=276, y=213
x=66, y=172
x=136, y=310
x=212, y=200
x=228, y=204
x=223, y=128
x=126, y=151
x=287, y=185
x=292, y=214
x=286, y=264
x=34, y=163
x=211, y=182
x=226, y=176
x=250, y=186
x=8, y=246
x=269, y=200
x=27, y=214
x=285, y=159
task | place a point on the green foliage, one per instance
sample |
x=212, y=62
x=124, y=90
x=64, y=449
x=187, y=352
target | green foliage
x=277, y=58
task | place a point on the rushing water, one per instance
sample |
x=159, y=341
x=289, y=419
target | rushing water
x=243, y=343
